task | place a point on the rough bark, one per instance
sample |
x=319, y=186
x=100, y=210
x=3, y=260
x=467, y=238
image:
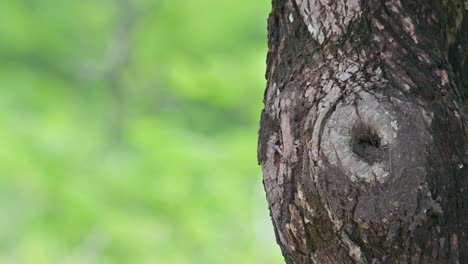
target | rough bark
x=363, y=139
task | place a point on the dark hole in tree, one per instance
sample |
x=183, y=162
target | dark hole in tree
x=369, y=140
x=366, y=143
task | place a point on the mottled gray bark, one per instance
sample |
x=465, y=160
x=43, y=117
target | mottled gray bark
x=363, y=139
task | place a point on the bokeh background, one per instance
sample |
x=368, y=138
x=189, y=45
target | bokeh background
x=128, y=132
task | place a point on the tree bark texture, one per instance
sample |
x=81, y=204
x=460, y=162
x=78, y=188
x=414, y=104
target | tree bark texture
x=363, y=138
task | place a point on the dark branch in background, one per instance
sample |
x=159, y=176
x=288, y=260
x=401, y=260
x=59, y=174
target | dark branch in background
x=119, y=55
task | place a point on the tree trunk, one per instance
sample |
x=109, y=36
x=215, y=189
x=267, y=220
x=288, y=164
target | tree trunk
x=363, y=139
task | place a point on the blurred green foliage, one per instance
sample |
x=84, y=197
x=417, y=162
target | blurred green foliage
x=128, y=132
